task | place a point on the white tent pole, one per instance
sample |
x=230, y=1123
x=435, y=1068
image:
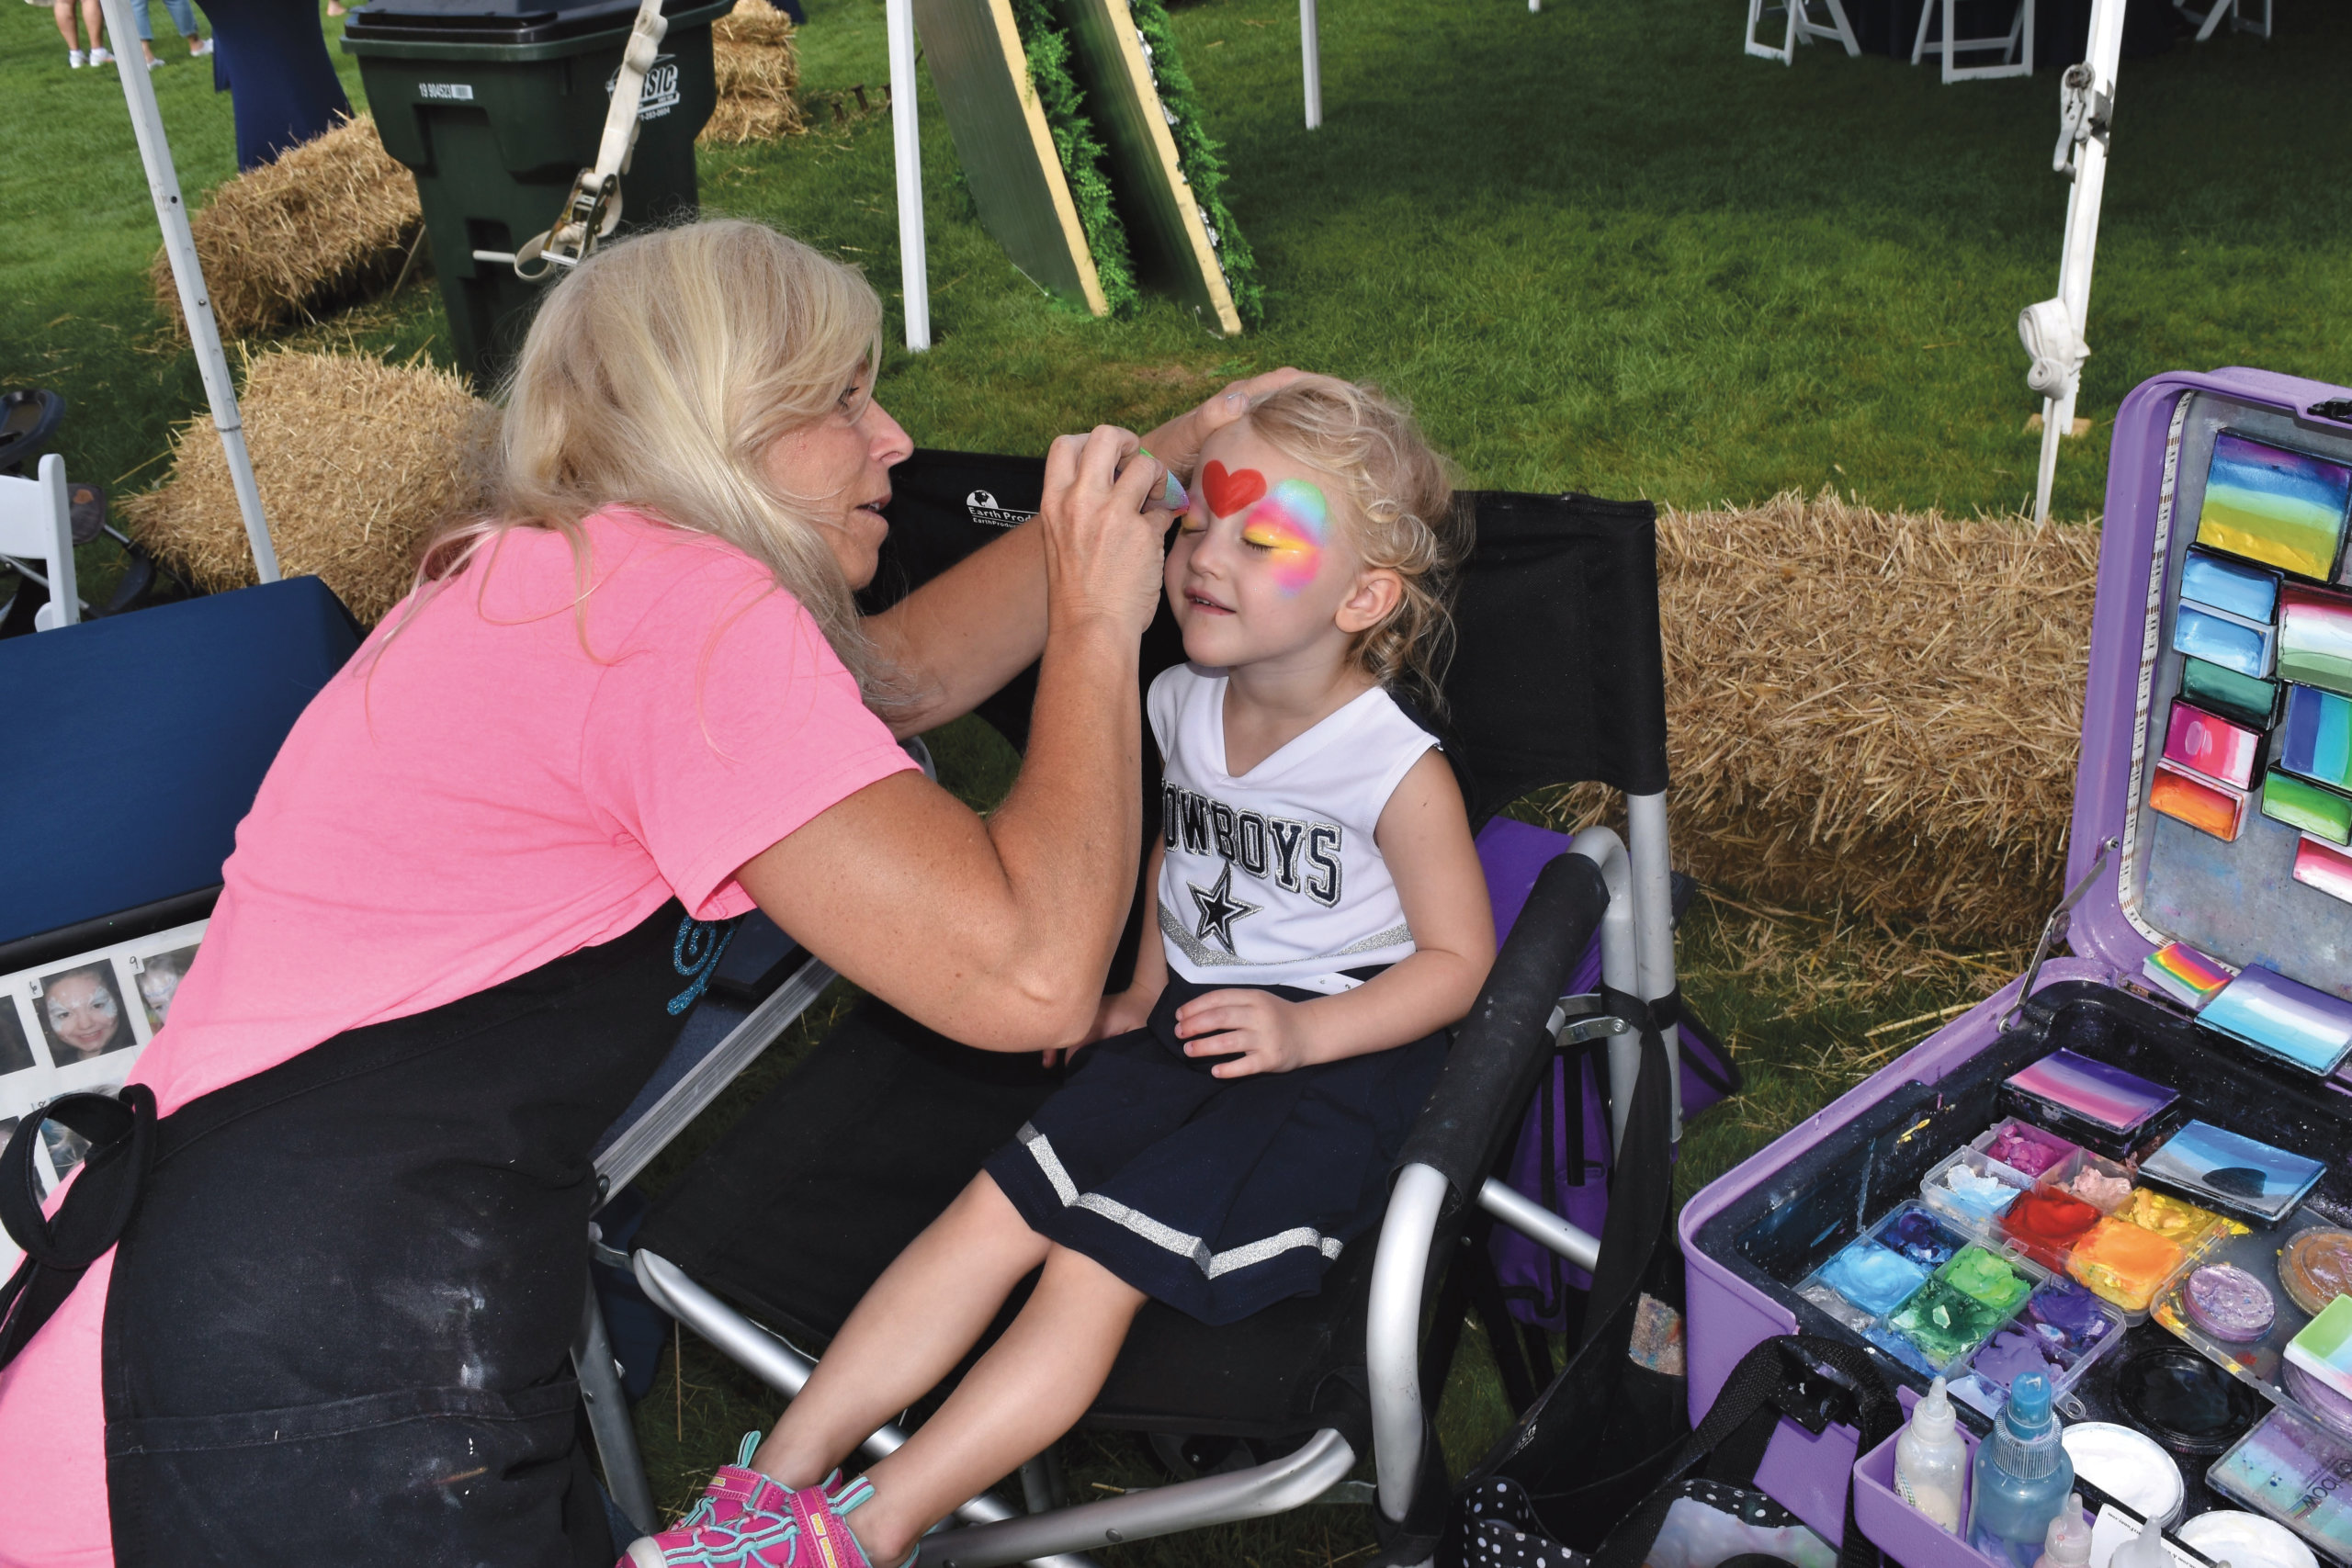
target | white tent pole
x=196, y=301
x=1310, y=60
x=2090, y=102
x=914, y=275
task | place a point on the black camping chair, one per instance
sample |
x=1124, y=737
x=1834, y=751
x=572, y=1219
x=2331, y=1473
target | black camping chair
x=777, y=1230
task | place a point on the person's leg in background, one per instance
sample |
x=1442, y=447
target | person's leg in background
x=184, y=18
x=94, y=22
x=146, y=32
x=75, y=58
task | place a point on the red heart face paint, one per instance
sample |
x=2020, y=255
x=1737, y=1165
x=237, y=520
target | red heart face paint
x=1292, y=526
x=1229, y=491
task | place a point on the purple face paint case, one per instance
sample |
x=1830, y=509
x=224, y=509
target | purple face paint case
x=1753, y=1234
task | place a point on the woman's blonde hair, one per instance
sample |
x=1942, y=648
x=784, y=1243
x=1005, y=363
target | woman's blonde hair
x=1401, y=492
x=658, y=376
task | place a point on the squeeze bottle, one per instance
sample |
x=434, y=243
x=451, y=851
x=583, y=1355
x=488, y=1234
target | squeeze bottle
x=2068, y=1544
x=2021, y=1478
x=1931, y=1460
x=2145, y=1549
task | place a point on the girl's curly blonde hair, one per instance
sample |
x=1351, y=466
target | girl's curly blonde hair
x=1405, y=519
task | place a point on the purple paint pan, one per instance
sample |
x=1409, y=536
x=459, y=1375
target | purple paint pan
x=2093, y=1091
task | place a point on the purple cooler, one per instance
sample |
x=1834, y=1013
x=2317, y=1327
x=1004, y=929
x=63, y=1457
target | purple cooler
x=2211, y=809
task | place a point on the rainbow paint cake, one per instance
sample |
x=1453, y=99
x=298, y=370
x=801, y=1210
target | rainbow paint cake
x=2323, y=867
x=2314, y=640
x=2209, y=744
x=2315, y=741
x=2269, y=504
x=2208, y=807
x=2184, y=973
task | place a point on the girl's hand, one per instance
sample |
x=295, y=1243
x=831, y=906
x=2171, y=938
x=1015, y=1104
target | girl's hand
x=1263, y=1033
x=1120, y=1012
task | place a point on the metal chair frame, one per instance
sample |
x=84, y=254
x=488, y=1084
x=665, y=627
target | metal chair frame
x=1637, y=958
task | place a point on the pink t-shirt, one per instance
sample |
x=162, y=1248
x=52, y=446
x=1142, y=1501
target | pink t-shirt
x=526, y=769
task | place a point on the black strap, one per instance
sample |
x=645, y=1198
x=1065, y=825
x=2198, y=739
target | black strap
x=121, y=1132
x=1745, y=1398
x=1641, y=1181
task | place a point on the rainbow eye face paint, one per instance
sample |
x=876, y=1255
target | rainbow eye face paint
x=1292, y=524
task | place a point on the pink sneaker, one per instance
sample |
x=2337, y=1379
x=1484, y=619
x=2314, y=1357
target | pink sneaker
x=825, y=1538
x=743, y=1520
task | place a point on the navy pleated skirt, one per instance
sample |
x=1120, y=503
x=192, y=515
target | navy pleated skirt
x=1218, y=1196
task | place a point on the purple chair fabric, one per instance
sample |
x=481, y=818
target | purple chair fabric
x=1561, y=1159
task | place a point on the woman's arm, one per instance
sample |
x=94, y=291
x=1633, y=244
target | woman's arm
x=997, y=933
x=1424, y=835
x=959, y=638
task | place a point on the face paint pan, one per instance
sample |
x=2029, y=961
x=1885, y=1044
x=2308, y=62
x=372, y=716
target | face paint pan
x=2212, y=746
x=2290, y=1469
x=2314, y=640
x=2228, y=1170
x=2321, y=865
x=2217, y=583
x=2074, y=1086
x=2207, y=806
x=2302, y=1027
x=2185, y=975
x=2307, y=808
x=2235, y=645
x=2184, y=1401
x=2315, y=736
x=2246, y=698
x=2278, y=507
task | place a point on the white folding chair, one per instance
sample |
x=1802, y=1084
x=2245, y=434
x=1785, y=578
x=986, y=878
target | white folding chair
x=2015, y=45
x=37, y=524
x=2210, y=21
x=1801, y=28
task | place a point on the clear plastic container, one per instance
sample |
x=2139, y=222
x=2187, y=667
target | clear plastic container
x=2289, y=1469
x=2029, y=1146
x=2062, y=1331
x=2258, y=1360
x=1969, y=1205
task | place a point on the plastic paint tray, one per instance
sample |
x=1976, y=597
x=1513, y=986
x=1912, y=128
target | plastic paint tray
x=1982, y=1394
x=2291, y=1469
x=1983, y=1142
x=1945, y=1202
x=2258, y=1361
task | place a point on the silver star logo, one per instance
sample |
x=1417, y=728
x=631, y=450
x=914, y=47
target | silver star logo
x=1220, y=909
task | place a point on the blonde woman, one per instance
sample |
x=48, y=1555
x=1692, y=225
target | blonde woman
x=496, y=860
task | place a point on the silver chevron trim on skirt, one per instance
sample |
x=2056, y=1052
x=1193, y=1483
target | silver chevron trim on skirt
x=1212, y=1264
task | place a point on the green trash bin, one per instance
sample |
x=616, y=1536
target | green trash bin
x=497, y=106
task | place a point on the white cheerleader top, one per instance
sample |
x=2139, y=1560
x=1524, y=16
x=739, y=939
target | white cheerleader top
x=1272, y=878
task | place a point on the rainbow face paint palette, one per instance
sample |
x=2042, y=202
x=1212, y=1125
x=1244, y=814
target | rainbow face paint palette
x=2208, y=744
x=2305, y=1028
x=2323, y=1349
x=2225, y=640
x=2281, y=508
x=2292, y=1469
x=2314, y=640
x=2185, y=975
x=2315, y=736
x=2323, y=867
x=2205, y=805
x=2230, y=1170
x=2106, y=1096
x=2311, y=807
x=2219, y=583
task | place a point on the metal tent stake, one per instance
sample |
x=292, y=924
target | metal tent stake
x=906, y=144
x=196, y=301
x=2054, y=329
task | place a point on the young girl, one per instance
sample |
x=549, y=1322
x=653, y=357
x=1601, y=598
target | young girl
x=1324, y=919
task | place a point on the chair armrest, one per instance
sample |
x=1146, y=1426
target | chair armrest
x=1504, y=1043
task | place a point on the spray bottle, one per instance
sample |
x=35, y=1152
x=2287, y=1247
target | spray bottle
x=2068, y=1543
x=2021, y=1479
x=1931, y=1461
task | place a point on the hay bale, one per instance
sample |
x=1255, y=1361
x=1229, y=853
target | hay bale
x=758, y=72
x=1878, y=710
x=358, y=462
x=322, y=224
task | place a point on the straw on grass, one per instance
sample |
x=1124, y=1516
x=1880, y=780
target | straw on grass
x=758, y=72
x=1878, y=710
x=358, y=462
x=322, y=224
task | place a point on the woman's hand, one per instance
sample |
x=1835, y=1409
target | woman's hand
x=1263, y=1032
x=1178, y=443
x=1103, y=543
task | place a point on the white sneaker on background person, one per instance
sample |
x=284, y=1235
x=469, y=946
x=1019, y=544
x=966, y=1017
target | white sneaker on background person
x=101, y=56
x=75, y=60
x=198, y=49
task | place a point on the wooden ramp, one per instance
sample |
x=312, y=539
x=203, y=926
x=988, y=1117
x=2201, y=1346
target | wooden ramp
x=1169, y=239
x=982, y=77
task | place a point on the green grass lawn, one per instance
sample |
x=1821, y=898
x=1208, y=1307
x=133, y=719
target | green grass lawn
x=1598, y=249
